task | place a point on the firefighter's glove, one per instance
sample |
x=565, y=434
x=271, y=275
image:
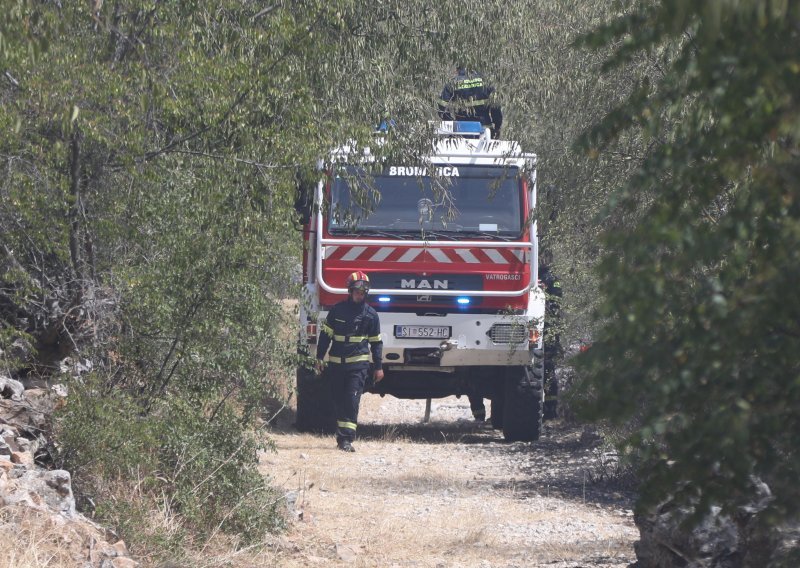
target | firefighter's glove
x=319, y=368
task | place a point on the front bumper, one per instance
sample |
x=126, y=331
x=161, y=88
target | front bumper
x=476, y=339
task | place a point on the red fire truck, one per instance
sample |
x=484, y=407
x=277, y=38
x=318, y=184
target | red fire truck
x=450, y=246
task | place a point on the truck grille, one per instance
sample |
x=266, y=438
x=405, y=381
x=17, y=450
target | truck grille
x=508, y=333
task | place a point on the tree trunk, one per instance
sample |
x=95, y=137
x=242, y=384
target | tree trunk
x=75, y=214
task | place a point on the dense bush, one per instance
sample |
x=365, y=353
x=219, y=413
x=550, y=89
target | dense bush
x=699, y=318
x=173, y=459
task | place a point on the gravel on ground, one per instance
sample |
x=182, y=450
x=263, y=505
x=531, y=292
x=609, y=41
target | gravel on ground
x=448, y=493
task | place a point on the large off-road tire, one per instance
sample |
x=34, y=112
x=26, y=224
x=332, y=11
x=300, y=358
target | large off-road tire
x=314, y=403
x=524, y=401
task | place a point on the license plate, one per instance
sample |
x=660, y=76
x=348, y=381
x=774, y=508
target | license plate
x=422, y=331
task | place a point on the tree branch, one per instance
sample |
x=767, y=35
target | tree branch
x=264, y=12
x=239, y=99
x=155, y=153
x=239, y=160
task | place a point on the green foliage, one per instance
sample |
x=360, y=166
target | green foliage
x=105, y=431
x=174, y=462
x=21, y=32
x=699, y=319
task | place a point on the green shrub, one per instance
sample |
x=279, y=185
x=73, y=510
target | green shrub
x=168, y=476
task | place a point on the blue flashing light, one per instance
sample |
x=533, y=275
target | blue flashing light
x=384, y=299
x=386, y=125
x=462, y=301
x=467, y=127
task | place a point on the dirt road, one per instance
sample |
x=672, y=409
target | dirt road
x=447, y=493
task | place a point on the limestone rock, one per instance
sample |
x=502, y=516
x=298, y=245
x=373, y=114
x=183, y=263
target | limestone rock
x=21, y=350
x=9, y=388
x=718, y=541
x=31, y=494
x=42, y=490
x=24, y=458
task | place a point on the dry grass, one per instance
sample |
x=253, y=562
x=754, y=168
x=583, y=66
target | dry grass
x=393, y=433
x=33, y=539
x=157, y=537
x=226, y=552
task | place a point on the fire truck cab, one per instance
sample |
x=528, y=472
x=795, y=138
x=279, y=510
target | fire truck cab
x=450, y=246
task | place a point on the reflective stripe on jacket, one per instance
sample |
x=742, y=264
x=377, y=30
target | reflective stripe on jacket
x=351, y=331
x=468, y=97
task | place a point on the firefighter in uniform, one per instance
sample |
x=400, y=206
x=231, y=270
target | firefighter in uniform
x=552, y=339
x=468, y=97
x=478, y=407
x=351, y=330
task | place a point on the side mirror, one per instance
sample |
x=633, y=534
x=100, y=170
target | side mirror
x=304, y=201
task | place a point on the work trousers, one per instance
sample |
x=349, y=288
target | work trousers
x=552, y=351
x=477, y=406
x=347, y=384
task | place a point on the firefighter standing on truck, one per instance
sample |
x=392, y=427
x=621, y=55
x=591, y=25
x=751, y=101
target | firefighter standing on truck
x=352, y=329
x=467, y=96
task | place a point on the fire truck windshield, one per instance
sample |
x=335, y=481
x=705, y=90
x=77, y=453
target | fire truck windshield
x=477, y=200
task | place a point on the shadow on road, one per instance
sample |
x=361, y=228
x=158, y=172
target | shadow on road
x=460, y=432
x=564, y=463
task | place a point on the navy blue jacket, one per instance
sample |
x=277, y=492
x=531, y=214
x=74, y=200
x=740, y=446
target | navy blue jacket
x=467, y=97
x=352, y=330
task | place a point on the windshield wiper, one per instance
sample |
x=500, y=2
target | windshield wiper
x=485, y=234
x=375, y=233
x=439, y=235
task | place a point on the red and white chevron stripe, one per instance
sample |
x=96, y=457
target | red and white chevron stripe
x=418, y=254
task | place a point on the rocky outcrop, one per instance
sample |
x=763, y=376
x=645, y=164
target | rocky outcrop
x=740, y=540
x=33, y=496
